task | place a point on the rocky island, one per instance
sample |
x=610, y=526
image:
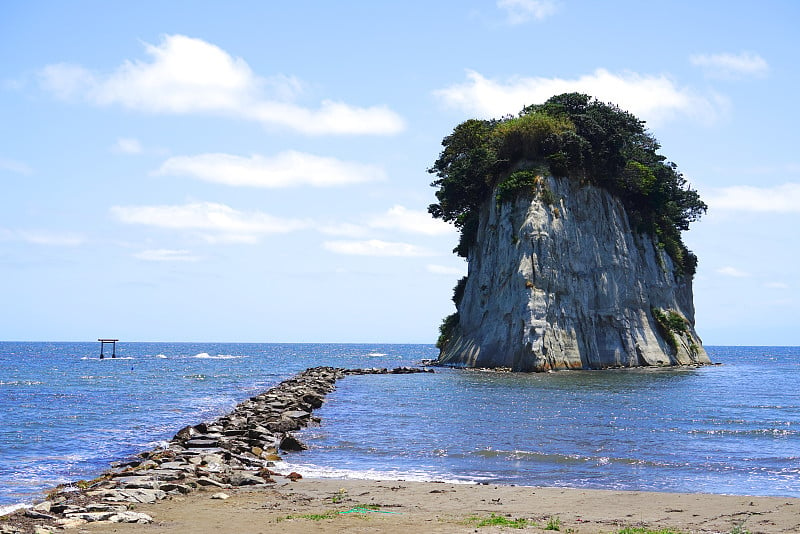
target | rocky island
x=571, y=225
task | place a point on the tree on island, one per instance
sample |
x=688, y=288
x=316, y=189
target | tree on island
x=570, y=135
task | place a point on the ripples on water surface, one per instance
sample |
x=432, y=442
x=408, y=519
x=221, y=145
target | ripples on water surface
x=733, y=428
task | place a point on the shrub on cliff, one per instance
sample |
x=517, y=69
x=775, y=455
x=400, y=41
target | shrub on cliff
x=571, y=135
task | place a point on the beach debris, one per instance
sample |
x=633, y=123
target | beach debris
x=220, y=496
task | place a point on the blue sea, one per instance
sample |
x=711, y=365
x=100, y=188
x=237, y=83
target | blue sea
x=732, y=428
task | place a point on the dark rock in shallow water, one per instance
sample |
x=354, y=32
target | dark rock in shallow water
x=292, y=444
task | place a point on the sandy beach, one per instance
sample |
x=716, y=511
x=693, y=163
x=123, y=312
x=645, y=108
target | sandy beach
x=329, y=505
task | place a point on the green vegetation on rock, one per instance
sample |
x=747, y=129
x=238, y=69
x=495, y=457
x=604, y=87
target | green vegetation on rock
x=669, y=324
x=446, y=330
x=570, y=135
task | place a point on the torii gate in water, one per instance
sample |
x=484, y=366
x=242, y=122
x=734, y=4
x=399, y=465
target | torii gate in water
x=112, y=342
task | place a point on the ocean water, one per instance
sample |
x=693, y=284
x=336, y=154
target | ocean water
x=731, y=428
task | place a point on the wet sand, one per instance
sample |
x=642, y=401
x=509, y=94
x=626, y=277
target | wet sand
x=329, y=505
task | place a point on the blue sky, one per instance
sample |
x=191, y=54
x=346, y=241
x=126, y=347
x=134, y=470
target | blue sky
x=256, y=171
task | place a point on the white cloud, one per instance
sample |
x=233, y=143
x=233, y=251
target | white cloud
x=396, y=219
x=776, y=285
x=225, y=224
x=343, y=229
x=375, y=247
x=521, y=11
x=15, y=166
x=187, y=75
x=331, y=118
x=287, y=169
x=442, y=269
x=406, y=220
x=67, y=81
x=651, y=98
x=165, y=255
x=778, y=199
x=42, y=237
x=127, y=145
x=731, y=66
x=732, y=271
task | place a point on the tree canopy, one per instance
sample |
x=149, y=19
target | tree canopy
x=576, y=136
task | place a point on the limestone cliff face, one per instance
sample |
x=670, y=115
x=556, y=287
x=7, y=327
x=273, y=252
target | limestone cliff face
x=570, y=285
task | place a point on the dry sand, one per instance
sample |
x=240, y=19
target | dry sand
x=411, y=507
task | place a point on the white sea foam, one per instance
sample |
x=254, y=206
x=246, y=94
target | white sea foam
x=21, y=383
x=315, y=471
x=160, y=356
x=207, y=356
x=5, y=510
x=376, y=354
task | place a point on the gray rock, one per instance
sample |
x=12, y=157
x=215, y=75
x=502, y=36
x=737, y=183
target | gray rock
x=43, y=507
x=242, y=478
x=91, y=517
x=205, y=481
x=131, y=517
x=33, y=514
x=167, y=475
x=103, y=507
x=175, y=465
x=175, y=488
x=70, y=522
x=135, y=495
x=138, y=482
x=296, y=414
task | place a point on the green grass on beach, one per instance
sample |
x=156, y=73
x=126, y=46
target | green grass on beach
x=495, y=520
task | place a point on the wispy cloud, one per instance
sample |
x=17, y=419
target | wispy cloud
x=375, y=247
x=166, y=255
x=731, y=66
x=400, y=218
x=287, y=169
x=522, y=11
x=650, y=97
x=15, y=166
x=42, y=237
x=397, y=219
x=127, y=145
x=776, y=285
x=186, y=75
x=343, y=229
x=733, y=272
x=443, y=269
x=217, y=223
x=778, y=199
